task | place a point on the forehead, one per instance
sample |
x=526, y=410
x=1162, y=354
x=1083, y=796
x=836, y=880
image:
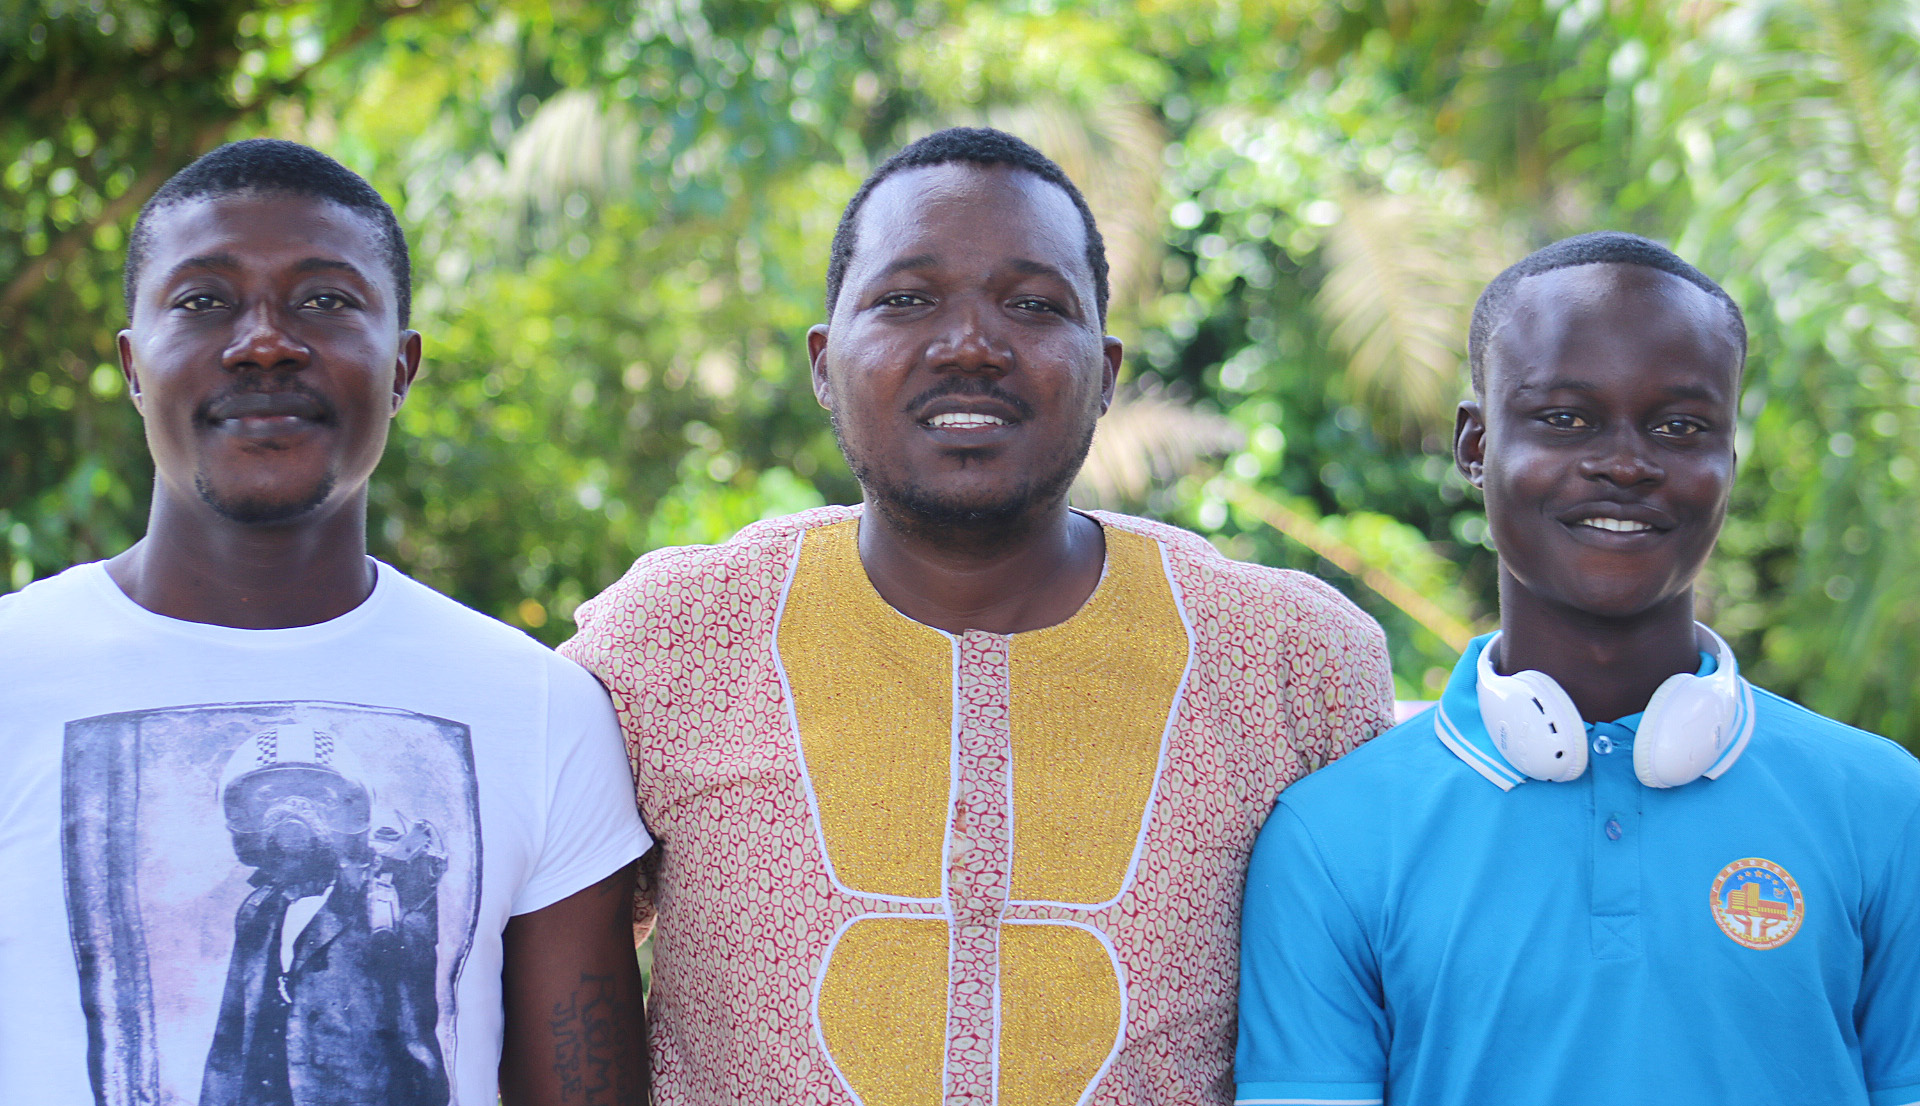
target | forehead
x=263, y=230
x=963, y=212
x=1621, y=321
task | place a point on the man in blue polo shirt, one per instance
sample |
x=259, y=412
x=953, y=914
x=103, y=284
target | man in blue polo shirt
x=1704, y=895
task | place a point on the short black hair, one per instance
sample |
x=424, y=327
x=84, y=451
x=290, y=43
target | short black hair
x=975, y=146
x=1598, y=247
x=274, y=165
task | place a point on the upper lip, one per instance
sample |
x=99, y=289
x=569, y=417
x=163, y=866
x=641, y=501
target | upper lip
x=1630, y=512
x=266, y=405
x=969, y=405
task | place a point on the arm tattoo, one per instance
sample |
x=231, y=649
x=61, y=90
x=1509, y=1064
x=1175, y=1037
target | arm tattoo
x=590, y=1066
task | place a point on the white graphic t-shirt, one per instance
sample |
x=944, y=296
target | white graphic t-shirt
x=272, y=867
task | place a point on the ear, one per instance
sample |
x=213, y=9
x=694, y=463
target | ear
x=124, y=341
x=1470, y=442
x=817, y=359
x=406, y=366
x=1110, y=352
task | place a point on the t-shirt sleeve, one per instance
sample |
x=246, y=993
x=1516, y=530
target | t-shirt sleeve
x=1888, y=1014
x=593, y=827
x=1312, y=1025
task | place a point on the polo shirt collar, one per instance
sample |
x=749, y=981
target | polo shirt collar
x=1458, y=725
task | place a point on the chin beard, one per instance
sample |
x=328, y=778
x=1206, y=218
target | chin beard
x=969, y=520
x=261, y=511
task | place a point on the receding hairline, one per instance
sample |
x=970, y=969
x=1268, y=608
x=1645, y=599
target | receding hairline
x=1008, y=170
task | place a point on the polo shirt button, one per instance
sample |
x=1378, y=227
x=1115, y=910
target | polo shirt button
x=1613, y=829
x=1603, y=744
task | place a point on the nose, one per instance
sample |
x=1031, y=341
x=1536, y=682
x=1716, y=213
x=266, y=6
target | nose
x=1622, y=459
x=263, y=341
x=971, y=342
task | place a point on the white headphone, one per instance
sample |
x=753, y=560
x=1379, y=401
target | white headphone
x=1688, y=725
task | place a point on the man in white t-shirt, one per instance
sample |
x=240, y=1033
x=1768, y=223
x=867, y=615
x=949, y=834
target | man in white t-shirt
x=278, y=825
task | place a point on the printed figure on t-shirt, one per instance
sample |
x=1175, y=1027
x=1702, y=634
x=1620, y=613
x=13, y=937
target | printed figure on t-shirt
x=343, y=924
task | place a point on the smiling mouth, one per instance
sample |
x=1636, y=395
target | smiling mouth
x=965, y=420
x=262, y=410
x=1615, y=525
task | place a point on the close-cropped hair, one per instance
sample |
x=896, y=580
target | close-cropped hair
x=973, y=146
x=1599, y=247
x=269, y=166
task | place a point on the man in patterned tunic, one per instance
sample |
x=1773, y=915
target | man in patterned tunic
x=956, y=789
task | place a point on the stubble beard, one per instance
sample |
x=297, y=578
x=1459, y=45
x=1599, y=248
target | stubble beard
x=260, y=511
x=951, y=520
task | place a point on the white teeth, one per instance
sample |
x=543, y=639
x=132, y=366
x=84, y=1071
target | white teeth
x=962, y=420
x=1617, y=525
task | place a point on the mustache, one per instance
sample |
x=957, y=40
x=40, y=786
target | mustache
x=969, y=386
x=260, y=393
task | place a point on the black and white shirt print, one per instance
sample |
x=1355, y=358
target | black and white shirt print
x=270, y=903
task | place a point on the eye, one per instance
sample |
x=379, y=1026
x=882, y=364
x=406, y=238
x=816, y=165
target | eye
x=1564, y=420
x=327, y=301
x=901, y=299
x=1035, y=303
x=1679, y=427
x=198, y=302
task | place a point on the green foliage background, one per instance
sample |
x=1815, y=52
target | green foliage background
x=620, y=212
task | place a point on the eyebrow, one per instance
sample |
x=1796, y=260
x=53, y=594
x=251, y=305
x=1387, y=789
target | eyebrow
x=1677, y=391
x=901, y=265
x=229, y=261
x=210, y=261
x=327, y=265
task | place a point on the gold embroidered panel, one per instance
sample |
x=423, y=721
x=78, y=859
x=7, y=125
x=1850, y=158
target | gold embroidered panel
x=873, y=696
x=1091, y=701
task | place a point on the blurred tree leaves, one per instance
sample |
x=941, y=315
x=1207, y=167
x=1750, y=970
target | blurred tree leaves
x=621, y=212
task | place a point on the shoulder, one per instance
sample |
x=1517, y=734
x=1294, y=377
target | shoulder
x=419, y=610
x=1404, y=762
x=667, y=588
x=1242, y=599
x=1813, y=748
x=69, y=601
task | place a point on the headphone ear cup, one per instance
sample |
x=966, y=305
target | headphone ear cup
x=1561, y=745
x=1534, y=724
x=1681, y=733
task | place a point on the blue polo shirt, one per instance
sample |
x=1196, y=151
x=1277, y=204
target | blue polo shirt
x=1426, y=927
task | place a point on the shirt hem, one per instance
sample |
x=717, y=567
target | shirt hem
x=1313, y=1094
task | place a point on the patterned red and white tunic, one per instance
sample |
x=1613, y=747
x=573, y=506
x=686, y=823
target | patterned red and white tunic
x=902, y=867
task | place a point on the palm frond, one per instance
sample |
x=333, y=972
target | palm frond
x=1147, y=440
x=1402, y=274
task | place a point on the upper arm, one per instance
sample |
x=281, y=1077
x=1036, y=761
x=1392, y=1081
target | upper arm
x=1342, y=687
x=1312, y=1020
x=575, y=1025
x=1888, y=1014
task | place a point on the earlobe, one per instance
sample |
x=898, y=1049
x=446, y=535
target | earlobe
x=817, y=363
x=1470, y=442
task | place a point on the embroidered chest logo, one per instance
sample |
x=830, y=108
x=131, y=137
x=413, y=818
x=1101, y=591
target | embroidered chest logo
x=1757, y=903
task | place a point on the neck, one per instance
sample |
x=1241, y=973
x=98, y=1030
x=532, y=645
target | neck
x=1006, y=581
x=1609, y=667
x=196, y=566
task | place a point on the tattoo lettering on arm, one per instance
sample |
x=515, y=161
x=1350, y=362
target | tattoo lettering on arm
x=584, y=1055
x=576, y=1031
